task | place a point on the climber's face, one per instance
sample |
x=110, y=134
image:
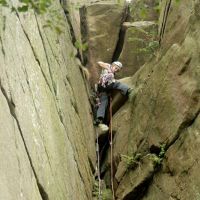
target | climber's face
x=115, y=68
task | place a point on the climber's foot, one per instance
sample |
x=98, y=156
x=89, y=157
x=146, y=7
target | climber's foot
x=103, y=128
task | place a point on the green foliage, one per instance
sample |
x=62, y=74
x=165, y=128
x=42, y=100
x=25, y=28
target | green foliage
x=106, y=193
x=81, y=46
x=39, y=6
x=142, y=10
x=146, y=42
x=54, y=21
x=177, y=3
x=4, y=3
x=162, y=151
x=131, y=161
x=53, y=18
x=158, y=159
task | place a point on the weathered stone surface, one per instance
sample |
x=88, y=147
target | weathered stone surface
x=165, y=112
x=118, y=99
x=180, y=175
x=17, y=176
x=102, y=23
x=139, y=45
x=71, y=9
x=52, y=129
x=173, y=21
x=146, y=10
x=132, y=184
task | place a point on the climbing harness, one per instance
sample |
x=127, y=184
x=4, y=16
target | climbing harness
x=111, y=150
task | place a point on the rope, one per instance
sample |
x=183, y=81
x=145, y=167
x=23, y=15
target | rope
x=111, y=150
x=98, y=168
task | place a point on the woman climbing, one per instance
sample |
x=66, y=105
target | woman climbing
x=107, y=83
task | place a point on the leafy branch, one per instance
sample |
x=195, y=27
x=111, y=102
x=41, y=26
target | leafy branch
x=39, y=6
x=53, y=18
x=147, y=41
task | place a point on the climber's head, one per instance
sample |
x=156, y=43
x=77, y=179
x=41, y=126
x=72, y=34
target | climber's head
x=116, y=66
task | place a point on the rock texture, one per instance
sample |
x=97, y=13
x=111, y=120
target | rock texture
x=162, y=123
x=47, y=149
x=138, y=46
x=100, y=29
x=174, y=16
x=144, y=10
x=108, y=38
x=47, y=152
x=138, y=36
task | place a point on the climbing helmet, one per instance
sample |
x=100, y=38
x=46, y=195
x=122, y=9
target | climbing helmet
x=119, y=64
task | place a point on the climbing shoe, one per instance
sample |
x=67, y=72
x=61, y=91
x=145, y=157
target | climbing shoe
x=103, y=128
x=131, y=94
x=130, y=90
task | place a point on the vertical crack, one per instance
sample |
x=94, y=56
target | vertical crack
x=72, y=32
x=122, y=34
x=34, y=53
x=184, y=125
x=50, y=72
x=11, y=106
x=164, y=21
x=2, y=47
x=84, y=31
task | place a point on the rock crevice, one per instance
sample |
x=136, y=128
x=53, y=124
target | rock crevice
x=11, y=106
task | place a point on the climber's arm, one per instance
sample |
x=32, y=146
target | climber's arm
x=103, y=65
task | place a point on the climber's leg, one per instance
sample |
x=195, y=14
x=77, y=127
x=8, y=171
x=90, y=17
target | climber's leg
x=103, y=105
x=119, y=86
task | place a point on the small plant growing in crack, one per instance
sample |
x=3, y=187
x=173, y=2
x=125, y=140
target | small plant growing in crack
x=131, y=161
x=142, y=9
x=157, y=159
x=105, y=193
x=81, y=46
x=147, y=44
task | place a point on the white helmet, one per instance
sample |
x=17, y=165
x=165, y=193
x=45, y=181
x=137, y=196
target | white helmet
x=118, y=64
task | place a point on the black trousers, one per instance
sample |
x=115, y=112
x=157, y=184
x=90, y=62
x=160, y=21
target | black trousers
x=123, y=88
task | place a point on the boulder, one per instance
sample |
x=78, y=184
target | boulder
x=173, y=21
x=163, y=120
x=132, y=184
x=101, y=24
x=17, y=175
x=180, y=175
x=144, y=10
x=139, y=46
x=47, y=151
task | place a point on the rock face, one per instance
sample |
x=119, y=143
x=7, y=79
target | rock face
x=158, y=131
x=108, y=38
x=174, y=15
x=138, y=36
x=139, y=45
x=47, y=138
x=144, y=10
x=47, y=152
x=101, y=27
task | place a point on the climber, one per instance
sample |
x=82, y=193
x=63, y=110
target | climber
x=107, y=83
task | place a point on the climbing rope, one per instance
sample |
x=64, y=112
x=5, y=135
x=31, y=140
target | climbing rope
x=111, y=150
x=98, y=157
x=98, y=167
